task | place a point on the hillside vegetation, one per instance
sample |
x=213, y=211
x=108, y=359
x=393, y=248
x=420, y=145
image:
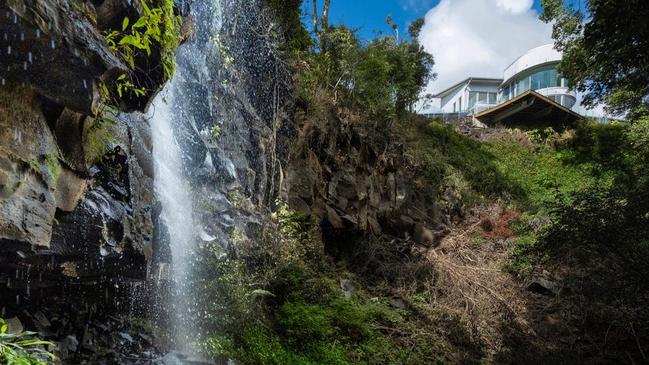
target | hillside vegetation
x=541, y=260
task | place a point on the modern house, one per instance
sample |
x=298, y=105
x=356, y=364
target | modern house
x=531, y=89
x=469, y=95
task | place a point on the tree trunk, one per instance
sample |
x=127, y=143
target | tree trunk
x=315, y=16
x=325, y=15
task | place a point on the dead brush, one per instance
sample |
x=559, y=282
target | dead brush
x=395, y=261
x=468, y=279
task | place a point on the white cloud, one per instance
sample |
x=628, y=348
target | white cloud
x=479, y=37
x=515, y=6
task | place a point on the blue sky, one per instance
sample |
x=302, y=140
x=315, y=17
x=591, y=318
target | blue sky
x=467, y=38
x=369, y=15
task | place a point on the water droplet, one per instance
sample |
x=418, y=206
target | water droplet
x=8, y=50
x=38, y=33
x=85, y=84
x=29, y=57
x=3, y=82
x=25, y=65
x=22, y=36
x=52, y=44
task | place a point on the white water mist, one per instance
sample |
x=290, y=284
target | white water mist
x=173, y=117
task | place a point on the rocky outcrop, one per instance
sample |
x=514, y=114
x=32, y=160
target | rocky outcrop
x=355, y=176
x=75, y=174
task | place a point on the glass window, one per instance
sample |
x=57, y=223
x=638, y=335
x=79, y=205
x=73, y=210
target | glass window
x=482, y=98
x=492, y=98
x=541, y=79
x=523, y=85
x=538, y=80
x=472, y=99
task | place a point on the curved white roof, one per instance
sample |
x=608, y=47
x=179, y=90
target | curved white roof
x=534, y=57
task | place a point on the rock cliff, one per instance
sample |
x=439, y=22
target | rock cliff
x=357, y=178
x=75, y=185
x=80, y=234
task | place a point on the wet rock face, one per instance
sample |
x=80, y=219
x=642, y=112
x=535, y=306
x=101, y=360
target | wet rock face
x=56, y=50
x=75, y=189
x=235, y=134
x=29, y=170
x=76, y=193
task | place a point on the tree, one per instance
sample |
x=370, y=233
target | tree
x=605, y=50
x=323, y=22
x=288, y=14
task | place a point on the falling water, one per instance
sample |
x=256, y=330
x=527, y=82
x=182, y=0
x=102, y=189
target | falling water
x=173, y=117
x=173, y=191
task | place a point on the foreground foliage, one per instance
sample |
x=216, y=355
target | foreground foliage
x=280, y=304
x=23, y=348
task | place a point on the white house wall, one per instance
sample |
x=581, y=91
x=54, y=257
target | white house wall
x=534, y=57
x=463, y=92
x=447, y=102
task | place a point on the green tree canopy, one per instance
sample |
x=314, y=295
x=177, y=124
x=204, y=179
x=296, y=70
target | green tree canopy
x=605, y=50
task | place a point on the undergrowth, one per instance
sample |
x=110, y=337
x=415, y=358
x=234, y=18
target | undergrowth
x=282, y=303
x=535, y=170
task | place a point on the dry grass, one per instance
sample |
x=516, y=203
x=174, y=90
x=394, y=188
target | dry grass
x=469, y=280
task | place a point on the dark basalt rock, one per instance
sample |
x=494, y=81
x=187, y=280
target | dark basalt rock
x=55, y=50
x=79, y=240
x=357, y=178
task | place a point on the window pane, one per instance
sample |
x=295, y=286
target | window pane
x=492, y=98
x=537, y=80
x=523, y=85
x=472, y=99
x=482, y=98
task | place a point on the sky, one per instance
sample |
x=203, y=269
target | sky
x=466, y=37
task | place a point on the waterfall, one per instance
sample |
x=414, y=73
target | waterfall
x=174, y=117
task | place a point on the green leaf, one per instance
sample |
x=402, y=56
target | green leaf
x=145, y=7
x=140, y=23
x=125, y=23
